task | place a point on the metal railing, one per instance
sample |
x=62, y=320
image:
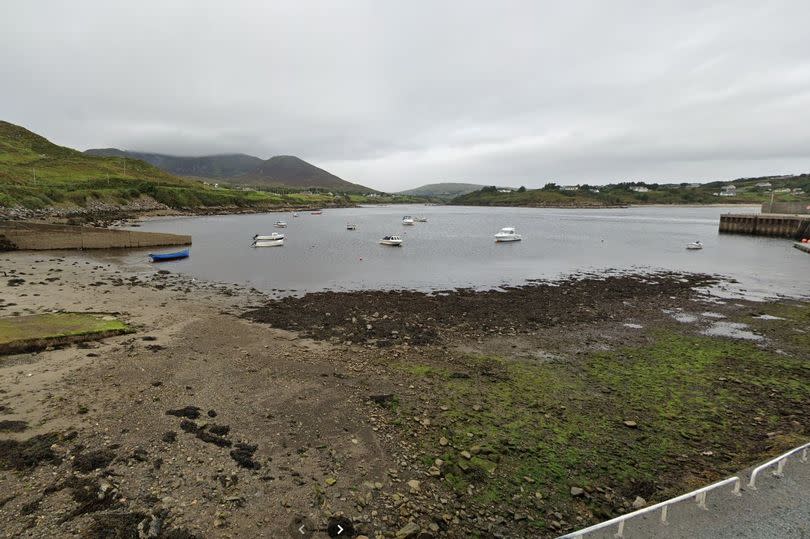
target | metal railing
x=699, y=495
x=780, y=464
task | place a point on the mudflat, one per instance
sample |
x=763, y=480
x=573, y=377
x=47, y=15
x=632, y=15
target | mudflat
x=523, y=412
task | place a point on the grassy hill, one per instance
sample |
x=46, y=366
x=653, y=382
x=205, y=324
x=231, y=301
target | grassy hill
x=35, y=173
x=291, y=171
x=621, y=194
x=446, y=191
x=208, y=166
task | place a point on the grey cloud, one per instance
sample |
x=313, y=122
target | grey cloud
x=398, y=94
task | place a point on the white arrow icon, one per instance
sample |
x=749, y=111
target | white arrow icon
x=340, y=529
x=301, y=530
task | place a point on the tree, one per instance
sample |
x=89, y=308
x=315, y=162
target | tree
x=551, y=186
x=522, y=189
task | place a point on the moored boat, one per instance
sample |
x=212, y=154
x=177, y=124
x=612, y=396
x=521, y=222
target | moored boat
x=420, y=219
x=507, y=233
x=407, y=220
x=165, y=257
x=273, y=236
x=315, y=212
x=393, y=240
x=351, y=226
x=802, y=246
x=280, y=224
x=694, y=246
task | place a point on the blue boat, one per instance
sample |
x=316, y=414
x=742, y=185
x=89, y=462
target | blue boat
x=165, y=257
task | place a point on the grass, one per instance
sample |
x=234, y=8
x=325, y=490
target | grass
x=702, y=408
x=18, y=331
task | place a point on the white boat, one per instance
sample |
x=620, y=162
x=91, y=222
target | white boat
x=350, y=226
x=507, y=233
x=273, y=236
x=295, y=214
x=407, y=220
x=391, y=240
x=280, y=224
x=278, y=242
x=420, y=219
x=694, y=246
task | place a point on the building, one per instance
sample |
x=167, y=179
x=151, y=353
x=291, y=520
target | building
x=639, y=189
x=570, y=188
x=763, y=185
x=728, y=191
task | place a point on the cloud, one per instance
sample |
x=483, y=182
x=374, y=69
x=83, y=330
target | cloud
x=394, y=95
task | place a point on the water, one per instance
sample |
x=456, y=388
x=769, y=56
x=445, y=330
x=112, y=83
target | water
x=456, y=248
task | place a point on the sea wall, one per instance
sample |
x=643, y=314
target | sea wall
x=15, y=235
x=768, y=224
x=795, y=208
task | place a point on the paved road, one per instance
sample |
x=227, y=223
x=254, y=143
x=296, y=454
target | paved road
x=779, y=508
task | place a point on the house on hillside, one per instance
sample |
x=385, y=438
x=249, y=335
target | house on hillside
x=504, y=190
x=570, y=187
x=639, y=189
x=594, y=190
x=763, y=185
x=728, y=191
x=798, y=191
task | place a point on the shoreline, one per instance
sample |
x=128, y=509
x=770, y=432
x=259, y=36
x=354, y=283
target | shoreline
x=363, y=406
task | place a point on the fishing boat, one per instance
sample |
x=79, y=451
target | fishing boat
x=694, y=246
x=165, y=257
x=351, y=226
x=407, y=220
x=280, y=224
x=395, y=241
x=507, y=233
x=420, y=219
x=273, y=236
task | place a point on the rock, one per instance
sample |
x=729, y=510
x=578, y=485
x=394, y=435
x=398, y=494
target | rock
x=639, y=502
x=631, y=424
x=466, y=454
x=433, y=471
x=330, y=481
x=408, y=530
x=443, y=441
x=414, y=485
x=576, y=491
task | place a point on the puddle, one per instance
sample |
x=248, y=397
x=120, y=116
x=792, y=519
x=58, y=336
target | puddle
x=732, y=330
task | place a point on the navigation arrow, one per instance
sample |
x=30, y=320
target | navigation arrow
x=340, y=529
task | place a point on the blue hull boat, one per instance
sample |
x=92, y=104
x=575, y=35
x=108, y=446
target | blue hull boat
x=165, y=257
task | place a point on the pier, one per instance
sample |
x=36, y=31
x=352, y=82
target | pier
x=766, y=224
x=15, y=235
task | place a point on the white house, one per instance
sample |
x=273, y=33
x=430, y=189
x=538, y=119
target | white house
x=570, y=187
x=728, y=191
x=639, y=189
x=763, y=185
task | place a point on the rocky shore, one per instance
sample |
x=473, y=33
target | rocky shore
x=522, y=412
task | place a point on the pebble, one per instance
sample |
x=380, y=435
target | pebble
x=576, y=491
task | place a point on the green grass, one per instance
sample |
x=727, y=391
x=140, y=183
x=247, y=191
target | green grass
x=54, y=325
x=546, y=427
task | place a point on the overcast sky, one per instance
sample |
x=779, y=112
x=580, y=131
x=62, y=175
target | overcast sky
x=397, y=94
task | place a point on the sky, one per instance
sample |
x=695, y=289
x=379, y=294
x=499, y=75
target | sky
x=393, y=95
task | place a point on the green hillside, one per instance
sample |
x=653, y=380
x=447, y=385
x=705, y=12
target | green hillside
x=552, y=195
x=35, y=173
x=446, y=190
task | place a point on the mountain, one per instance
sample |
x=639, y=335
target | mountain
x=443, y=190
x=290, y=171
x=208, y=166
x=281, y=171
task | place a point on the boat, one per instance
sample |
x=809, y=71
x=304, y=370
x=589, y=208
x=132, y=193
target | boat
x=273, y=236
x=507, y=233
x=165, y=257
x=407, y=220
x=315, y=212
x=394, y=240
x=295, y=214
x=280, y=224
x=802, y=246
x=694, y=246
x=268, y=243
x=420, y=219
x=350, y=226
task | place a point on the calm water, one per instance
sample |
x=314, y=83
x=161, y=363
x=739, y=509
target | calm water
x=456, y=248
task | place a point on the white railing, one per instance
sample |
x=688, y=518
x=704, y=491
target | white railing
x=699, y=495
x=780, y=462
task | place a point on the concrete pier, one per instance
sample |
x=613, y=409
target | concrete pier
x=766, y=224
x=17, y=235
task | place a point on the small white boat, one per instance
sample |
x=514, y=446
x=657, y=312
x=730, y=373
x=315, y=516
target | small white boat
x=694, y=246
x=420, y=219
x=407, y=220
x=280, y=224
x=295, y=214
x=273, y=236
x=350, y=226
x=391, y=240
x=269, y=243
x=507, y=234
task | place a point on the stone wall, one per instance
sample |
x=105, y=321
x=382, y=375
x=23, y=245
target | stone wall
x=35, y=236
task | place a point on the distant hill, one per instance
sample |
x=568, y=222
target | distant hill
x=281, y=170
x=290, y=171
x=446, y=191
x=208, y=166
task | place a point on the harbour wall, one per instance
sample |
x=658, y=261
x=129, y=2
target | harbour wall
x=766, y=224
x=793, y=208
x=16, y=235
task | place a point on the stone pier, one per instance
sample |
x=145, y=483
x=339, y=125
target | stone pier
x=17, y=235
x=766, y=224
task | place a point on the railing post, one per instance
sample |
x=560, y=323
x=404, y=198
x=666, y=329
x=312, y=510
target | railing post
x=664, y=514
x=736, y=489
x=779, y=467
x=701, y=500
x=620, y=531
